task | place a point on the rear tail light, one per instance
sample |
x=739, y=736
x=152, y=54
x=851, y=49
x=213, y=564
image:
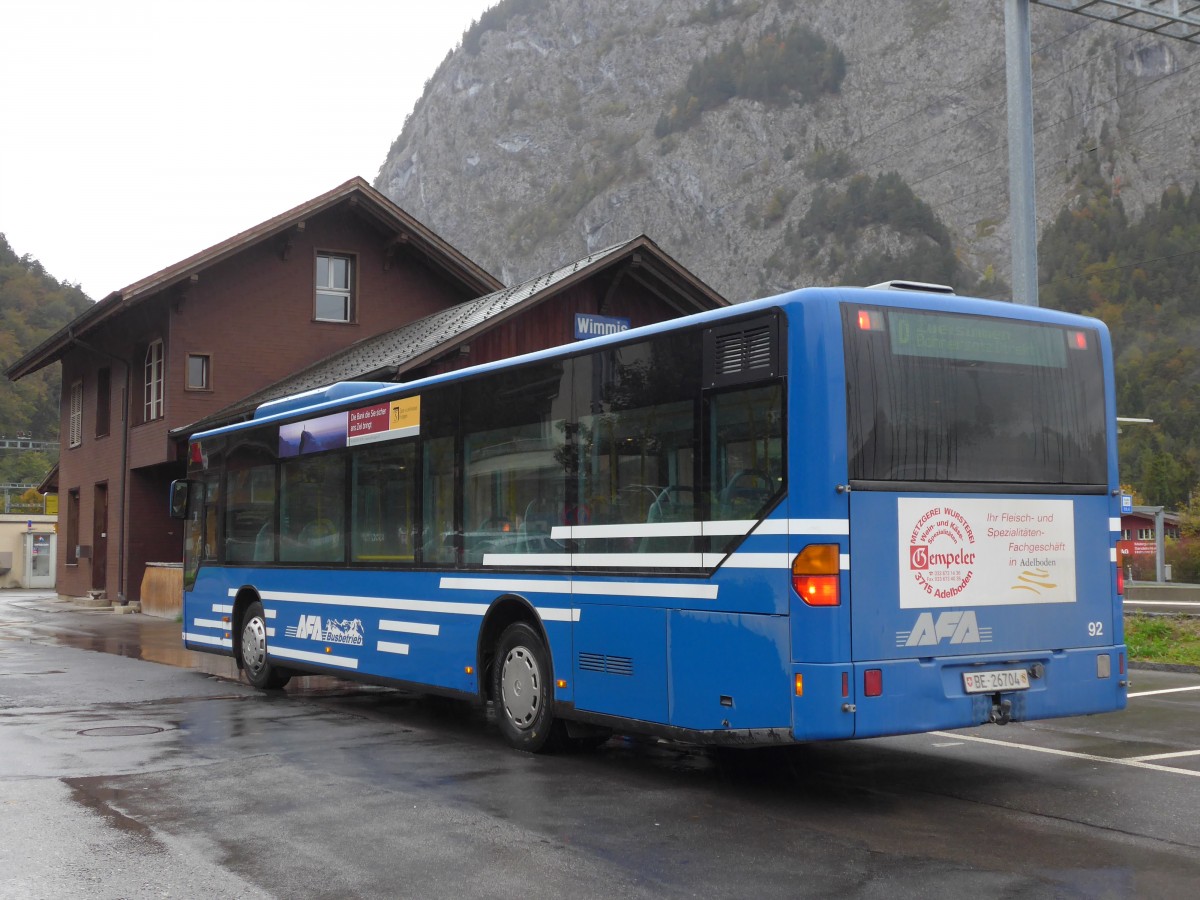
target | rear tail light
x=1120, y=581
x=816, y=573
x=873, y=682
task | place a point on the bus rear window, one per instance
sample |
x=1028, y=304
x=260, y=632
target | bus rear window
x=951, y=398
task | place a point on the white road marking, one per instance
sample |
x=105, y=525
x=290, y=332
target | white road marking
x=1132, y=763
x=1165, y=691
x=1161, y=602
x=1174, y=755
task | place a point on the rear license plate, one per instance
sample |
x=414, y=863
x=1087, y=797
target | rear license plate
x=1001, y=680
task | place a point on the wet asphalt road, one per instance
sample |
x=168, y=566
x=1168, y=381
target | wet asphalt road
x=126, y=777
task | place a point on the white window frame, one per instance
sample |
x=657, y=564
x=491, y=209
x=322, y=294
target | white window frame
x=345, y=293
x=152, y=382
x=75, y=419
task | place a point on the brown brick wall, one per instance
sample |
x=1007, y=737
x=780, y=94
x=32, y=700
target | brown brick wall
x=253, y=314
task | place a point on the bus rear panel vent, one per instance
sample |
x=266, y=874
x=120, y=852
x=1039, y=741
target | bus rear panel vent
x=743, y=352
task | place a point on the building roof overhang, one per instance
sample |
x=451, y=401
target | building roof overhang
x=390, y=355
x=400, y=228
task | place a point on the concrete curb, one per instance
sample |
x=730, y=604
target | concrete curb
x=1164, y=667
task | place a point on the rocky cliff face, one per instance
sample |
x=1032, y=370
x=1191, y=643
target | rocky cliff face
x=548, y=134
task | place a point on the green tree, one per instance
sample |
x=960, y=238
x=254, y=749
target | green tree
x=33, y=306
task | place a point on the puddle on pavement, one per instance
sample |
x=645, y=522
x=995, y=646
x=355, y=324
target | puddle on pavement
x=160, y=641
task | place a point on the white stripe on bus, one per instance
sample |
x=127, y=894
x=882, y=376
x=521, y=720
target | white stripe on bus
x=708, y=528
x=1114, y=525
x=222, y=608
x=527, y=559
x=409, y=627
x=650, y=560
x=389, y=647
x=435, y=606
x=325, y=659
x=209, y=623
x=207, y=639
x=549, y=614
x=656, y=589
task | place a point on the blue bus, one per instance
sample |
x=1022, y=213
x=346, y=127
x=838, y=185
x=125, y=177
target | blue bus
x=835, y=513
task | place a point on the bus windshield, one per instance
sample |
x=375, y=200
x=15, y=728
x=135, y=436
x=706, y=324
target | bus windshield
x=953, y=398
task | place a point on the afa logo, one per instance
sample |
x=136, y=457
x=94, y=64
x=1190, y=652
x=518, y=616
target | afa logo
x=955, y=627
x=332, y=631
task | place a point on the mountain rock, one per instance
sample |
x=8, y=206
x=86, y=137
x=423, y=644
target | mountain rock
x=559, y=127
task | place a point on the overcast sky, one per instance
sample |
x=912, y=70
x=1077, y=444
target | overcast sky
x=138, y=132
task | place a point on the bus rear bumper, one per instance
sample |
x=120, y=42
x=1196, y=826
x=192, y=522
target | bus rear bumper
x=909, y=696
x=917, y=695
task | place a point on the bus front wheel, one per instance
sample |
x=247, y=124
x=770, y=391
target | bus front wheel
x=523, y=690
x=260, y=671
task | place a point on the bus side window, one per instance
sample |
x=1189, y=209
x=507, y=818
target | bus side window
x=383, y=520
x=312, y=509
x=746, y=467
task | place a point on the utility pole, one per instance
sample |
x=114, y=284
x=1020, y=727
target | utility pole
x=1022, y=209
x=1178, y=19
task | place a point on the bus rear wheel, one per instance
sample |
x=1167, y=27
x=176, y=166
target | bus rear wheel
x=523, y=691
x=260, y=671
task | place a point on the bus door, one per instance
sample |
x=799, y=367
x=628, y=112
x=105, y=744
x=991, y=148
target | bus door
x=946, y=584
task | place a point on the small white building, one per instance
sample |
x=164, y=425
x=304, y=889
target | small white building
x=28, y=550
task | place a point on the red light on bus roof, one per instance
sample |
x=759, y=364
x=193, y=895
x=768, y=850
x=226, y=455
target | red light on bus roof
x=870, y=320
x=1078, y=339
x=197, y=458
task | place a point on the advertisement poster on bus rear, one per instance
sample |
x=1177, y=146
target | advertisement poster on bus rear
x=962, y=552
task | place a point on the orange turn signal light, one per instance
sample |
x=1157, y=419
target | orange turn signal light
x=816, y=575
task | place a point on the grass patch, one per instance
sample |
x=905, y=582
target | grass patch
x=1163, y=639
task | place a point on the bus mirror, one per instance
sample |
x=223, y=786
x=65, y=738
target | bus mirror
x=179, y=499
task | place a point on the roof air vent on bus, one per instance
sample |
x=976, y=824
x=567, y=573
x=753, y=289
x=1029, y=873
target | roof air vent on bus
x=898, y=285
x=742, y=352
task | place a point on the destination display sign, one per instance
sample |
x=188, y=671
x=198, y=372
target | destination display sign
x=976, y=339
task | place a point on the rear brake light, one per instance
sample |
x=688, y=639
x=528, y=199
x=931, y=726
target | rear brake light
x=873, y=682
x=1120, y=581
x=816, y=575
x=1078, y=339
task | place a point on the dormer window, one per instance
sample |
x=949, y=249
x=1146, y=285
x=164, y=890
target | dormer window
x=335, y=291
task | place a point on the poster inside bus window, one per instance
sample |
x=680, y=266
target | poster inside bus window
x=379, y=422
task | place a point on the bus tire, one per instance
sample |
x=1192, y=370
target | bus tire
x=523, y=691
x=260, y=671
